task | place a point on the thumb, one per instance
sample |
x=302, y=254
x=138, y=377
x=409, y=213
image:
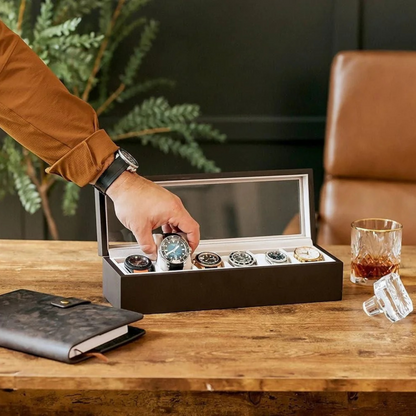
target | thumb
x=144, y=237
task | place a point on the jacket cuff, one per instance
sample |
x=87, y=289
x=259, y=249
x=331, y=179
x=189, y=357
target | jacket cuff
x=86, y=160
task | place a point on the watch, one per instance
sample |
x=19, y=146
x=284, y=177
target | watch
x=242, y=259
x=276, y=257
x=174, y=252
x=137, y=263
x=123, y=161
x=208, y=260
x=307, y=254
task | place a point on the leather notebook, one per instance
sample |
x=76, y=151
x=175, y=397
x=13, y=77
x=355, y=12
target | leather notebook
x=63, y=329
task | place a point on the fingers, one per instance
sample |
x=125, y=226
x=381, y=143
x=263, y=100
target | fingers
x=189, y=226
x=181, y=220
x=145, y=239
x=166, y=228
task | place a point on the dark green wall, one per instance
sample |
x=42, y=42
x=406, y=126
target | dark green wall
x=259, y=70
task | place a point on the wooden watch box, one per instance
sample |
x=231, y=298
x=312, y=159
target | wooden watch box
x=254, y=211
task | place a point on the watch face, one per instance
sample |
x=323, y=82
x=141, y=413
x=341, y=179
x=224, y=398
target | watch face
x=208, y=259
x=175, y=249
x=276, y=256
x=307, y=254
x=129, y=158
x=138, y=262
x=241, y=259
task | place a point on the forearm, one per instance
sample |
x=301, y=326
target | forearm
x=38, y=111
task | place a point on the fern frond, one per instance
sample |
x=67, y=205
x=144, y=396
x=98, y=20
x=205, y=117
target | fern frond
x=66, y=10
x=128, y=10
x=63, y=71
x=126, y=31
x=106, y=11
x=153, y=113
x=8, y=13
x=135, y=61
x=6, y=178
x=144, y=87
x=189, y=151
x=28, y=195
x=86, y=41
x=80, y=61
x=44, y=19
x=63, y=29
x=108, y=56
x=198, y=130
x=182, y=113
x=70, y=198
x=26, y=190
x=109, y=53
x=26, y=32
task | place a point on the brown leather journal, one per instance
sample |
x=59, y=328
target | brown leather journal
x=63, y=329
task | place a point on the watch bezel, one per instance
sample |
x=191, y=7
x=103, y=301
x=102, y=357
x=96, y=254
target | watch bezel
x=187, y=246
x=131, y=268
x=271, y=260
x=299, y=257
x=201, y=265
x=233, y=262
x=129, y=159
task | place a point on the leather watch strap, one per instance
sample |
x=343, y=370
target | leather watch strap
x=117, y=167
x=173, y=266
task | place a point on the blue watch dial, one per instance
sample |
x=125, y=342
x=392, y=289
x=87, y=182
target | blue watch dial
x=175, y=249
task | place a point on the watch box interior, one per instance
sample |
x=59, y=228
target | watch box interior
x=253, y=212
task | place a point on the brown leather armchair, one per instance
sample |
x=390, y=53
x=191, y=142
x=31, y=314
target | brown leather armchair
x=370, y=145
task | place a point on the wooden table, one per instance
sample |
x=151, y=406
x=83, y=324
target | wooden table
x=292, y=359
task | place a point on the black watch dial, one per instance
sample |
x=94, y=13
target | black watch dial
x=241, y=259
x=128, y=158
x=138, y=263
x=208, y=259
x=276, y=256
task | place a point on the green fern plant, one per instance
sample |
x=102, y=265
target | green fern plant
x=82, y=61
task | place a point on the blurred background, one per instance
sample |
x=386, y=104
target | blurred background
x=259, y=70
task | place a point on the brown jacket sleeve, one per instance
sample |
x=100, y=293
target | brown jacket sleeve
x=39, y=112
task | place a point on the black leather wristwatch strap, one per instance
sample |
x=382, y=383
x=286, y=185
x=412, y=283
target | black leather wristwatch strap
x=175, y=266
x=117, y=167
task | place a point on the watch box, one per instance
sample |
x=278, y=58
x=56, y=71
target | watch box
x=256, y=212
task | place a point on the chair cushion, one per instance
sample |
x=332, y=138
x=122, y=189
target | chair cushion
x=346, y=200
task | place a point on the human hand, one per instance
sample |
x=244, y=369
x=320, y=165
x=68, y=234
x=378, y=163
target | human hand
x=141, y=206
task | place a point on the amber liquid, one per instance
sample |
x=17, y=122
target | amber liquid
x=373, y=269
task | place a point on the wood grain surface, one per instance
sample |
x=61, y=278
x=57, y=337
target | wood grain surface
x=146, y=403
x=321, y=347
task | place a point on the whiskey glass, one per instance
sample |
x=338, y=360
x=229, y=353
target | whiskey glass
x=376, y=245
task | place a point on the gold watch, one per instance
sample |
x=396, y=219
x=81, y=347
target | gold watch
x=208, y=260
x=307, y=254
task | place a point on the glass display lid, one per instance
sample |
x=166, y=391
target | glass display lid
x=254, y=206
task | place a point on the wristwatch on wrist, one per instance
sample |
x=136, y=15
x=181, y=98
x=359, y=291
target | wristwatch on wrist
x=307, y=254
x=208, y=260
x=174, y=252
x=137, y=263
x=123, y=161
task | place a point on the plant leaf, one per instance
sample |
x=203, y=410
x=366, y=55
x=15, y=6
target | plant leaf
x=70, y=198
